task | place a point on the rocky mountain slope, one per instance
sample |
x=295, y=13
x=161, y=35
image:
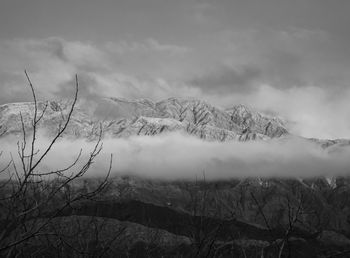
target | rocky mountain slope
x=123, y=118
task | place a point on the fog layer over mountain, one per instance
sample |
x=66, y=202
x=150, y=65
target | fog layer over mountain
x=179, y=156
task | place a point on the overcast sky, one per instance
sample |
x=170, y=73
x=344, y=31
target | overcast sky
x=288, y=57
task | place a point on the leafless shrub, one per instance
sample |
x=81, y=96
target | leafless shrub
x=31, y=199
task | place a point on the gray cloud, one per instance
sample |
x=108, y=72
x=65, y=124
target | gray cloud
x=53, y=62
x=294, y=43
x=89, y=88
x=148, y=45
x=226, y=79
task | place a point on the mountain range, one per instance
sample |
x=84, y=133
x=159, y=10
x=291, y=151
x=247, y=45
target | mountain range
x=120, y=118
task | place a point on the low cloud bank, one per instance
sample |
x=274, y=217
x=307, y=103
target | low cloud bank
x=178, y=156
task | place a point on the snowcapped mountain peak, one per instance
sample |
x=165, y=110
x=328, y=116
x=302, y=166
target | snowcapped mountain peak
x=145, y=117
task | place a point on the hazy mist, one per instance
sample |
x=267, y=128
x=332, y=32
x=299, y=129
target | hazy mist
x=178, y=156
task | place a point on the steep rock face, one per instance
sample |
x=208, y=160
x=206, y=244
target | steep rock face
x=55, y=114
x=196, y=112
x=251, y=120
x=144, y=117
x=151, y=126
x=206, y=121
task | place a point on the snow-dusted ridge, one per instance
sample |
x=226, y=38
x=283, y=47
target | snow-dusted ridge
x=145, y=117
